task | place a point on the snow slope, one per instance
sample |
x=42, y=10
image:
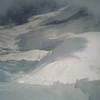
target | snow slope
x=75, y=59
x=59, y=49
x=58, y=40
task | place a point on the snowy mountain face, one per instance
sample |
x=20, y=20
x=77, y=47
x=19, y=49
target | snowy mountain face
x=53, y=56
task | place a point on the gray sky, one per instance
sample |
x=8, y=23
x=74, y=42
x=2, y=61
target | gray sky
x=93, y=6
x=5, y=4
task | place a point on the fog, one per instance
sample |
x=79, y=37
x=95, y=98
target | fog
x=91, y=5
x=6, y=4
x=18, y=11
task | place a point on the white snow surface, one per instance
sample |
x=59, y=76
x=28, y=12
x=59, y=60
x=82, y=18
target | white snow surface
x=66, y=47
x=75, y=59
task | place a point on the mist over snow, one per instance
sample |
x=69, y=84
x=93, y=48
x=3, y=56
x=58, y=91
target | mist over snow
x=91, y=5
x=18, y=11
x=49, y=50
x=5, y=5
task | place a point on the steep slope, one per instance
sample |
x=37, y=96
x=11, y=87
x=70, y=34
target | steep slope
x=55, y=56
x=57, y=35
